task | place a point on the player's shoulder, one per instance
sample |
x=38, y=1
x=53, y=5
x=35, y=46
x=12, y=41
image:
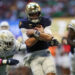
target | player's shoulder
x=46, y=21
x=45, y=18
x=23, y=22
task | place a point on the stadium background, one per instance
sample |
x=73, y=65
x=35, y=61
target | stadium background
x=59, y=11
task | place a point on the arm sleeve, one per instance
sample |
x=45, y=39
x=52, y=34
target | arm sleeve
x=48, y=30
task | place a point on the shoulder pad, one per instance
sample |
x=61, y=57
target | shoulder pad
x=46, y=21
x=22, y=23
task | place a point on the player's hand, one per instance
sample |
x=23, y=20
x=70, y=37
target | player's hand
x=22, y=47
x=10, y=61
x=54, y=42
x=30, y=32
x=40, y=28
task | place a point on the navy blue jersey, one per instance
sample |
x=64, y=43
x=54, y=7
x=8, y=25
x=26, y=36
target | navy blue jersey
x=40, y=45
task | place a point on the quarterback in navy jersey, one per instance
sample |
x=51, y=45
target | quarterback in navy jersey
x=36, y=35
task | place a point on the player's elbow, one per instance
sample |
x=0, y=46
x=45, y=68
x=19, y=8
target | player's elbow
x=28, y=44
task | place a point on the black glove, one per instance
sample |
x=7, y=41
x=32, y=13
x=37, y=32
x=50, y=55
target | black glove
x=10, y=61
x=54, y=42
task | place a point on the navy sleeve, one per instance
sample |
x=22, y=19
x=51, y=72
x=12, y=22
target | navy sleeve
x=23, y=23
x=45, y=22
x=48, y=22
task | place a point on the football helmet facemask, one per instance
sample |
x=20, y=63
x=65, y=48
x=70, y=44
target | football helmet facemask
x=7, y=40
x=33, y=12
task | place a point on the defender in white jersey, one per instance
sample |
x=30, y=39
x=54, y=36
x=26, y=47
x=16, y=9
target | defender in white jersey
x=8, y=47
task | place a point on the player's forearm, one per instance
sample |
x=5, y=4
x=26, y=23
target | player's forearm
x=42, y=36
x=31, y=41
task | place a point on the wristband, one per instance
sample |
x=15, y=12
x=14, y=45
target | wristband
x=36, y=33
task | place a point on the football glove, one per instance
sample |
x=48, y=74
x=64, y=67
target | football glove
x=10, y=62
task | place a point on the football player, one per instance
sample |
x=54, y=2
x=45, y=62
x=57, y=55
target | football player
x=71, y=41
x=36, y=35
x=4, y=25
x=8, y=47
x=19, y=55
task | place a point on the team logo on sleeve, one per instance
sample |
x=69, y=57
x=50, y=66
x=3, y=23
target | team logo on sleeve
x=20, y=23
x=30, y=25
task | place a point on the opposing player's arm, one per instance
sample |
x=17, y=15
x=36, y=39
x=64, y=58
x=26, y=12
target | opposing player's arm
x=28, y=41
x=8, y=61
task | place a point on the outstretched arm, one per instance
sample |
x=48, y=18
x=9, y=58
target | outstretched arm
x=8, y=61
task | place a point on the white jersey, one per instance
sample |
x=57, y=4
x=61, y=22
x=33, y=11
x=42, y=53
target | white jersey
x=8, y=47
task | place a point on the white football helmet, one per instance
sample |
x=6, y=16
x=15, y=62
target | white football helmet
x=4, y=25
x=7, y=41
x=72, y=24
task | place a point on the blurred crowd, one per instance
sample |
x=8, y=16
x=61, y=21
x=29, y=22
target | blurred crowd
x=14, y=9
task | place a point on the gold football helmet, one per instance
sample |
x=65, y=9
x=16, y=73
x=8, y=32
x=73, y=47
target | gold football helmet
x=72, y=24
x=33, y=12
x=7, y=40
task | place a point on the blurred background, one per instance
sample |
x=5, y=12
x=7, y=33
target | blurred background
x=15, y=9
x=59, y=11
